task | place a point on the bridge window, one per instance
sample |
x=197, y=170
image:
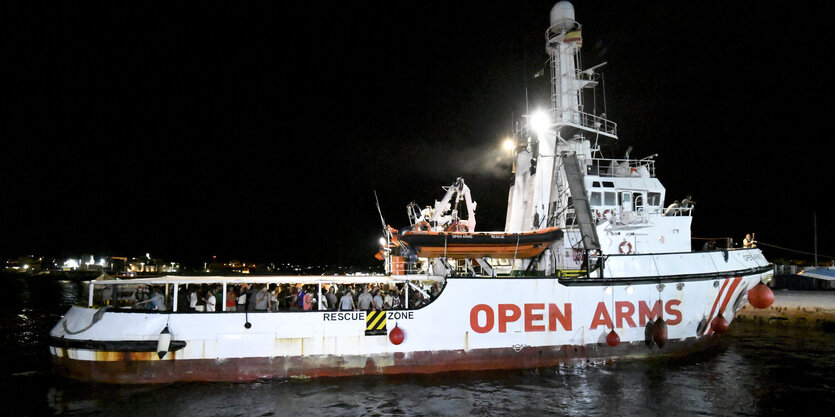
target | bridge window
x=639, y=201
x=595, y=198
x=654, y=199
x=609, y=198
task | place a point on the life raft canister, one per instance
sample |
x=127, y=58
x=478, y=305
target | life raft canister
x=625, y=248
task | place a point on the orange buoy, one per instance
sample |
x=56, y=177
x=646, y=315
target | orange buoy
x=396, y=335
x=719, y=324
x=761, y=296
x=659, y=332
x=612, y=339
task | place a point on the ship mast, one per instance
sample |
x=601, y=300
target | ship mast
x=563, y=41
x=539, y=196
x=553, y=149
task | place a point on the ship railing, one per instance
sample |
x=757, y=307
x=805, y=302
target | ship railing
x=401, y=266
x=570, y=117
x=707, y=244
x=587, y=121
x=113, y=293
x=679, y=211
x=605, y=167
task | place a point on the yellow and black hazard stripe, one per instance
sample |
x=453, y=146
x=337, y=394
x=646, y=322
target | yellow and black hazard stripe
x=375, y=323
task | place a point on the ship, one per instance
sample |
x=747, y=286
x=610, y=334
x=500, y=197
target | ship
x=590, y=266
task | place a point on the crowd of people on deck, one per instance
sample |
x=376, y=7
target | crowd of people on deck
x=280, y=297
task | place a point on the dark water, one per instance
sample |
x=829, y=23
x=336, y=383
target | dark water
x=756, y=370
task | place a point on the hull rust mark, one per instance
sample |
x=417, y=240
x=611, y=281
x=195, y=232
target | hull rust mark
x=136, y=368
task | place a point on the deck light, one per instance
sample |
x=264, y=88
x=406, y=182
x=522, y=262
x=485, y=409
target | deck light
x=508, y=144
x=539, y=122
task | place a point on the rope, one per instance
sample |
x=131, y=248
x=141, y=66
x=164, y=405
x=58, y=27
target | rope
x=96, y=317
x=769, y=245
x=794, y=250
x=516, y=251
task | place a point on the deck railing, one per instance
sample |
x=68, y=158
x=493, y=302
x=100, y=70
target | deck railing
x=605, y=167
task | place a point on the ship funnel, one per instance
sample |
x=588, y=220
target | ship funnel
x=562, y=17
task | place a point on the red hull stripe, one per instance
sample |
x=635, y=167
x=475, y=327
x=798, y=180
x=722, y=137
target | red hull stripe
x=715, y=303
x=250, y=369
x=727, y=299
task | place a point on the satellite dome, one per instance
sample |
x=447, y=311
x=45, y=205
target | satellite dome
x=562, y=16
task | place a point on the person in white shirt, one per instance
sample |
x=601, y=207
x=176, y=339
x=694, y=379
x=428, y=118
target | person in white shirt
x=242, y=298
x=210, y=301
x=192, y=300
x=378, y=300
x=364, y=300
x=387, y=300
x=346, y=302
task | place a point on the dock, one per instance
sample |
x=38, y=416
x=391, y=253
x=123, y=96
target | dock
x=791, y=307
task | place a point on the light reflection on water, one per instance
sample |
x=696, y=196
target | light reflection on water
x=756, y=370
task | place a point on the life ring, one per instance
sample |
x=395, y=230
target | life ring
x=626, y=245
x=607, y=213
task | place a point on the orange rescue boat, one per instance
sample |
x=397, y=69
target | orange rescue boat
x=459, y=245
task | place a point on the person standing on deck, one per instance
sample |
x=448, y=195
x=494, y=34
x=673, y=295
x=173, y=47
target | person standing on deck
x=378, y=299
x=231, y=299
x=672, y=210
x=242, y=298
x=365, y=300
x=749, y=242
x=687, y=205
x=262, y=299
x=210, y=300
x=192, y=299
x=387, y=300
x=346, y=302
x=331, y=296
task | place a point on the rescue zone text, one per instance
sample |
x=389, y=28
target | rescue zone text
x=360, y=315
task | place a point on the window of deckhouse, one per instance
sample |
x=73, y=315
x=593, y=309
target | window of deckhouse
x=609, y=198
x=654, y=199
x=639, y=201
x=595, y=198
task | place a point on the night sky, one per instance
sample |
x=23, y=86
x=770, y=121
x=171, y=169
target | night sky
x=261, y=131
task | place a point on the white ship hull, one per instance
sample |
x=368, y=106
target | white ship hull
x=474, y=324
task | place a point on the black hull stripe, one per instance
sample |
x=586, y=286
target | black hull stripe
x=568, y=282
x=582, y=281
x=113, y=345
